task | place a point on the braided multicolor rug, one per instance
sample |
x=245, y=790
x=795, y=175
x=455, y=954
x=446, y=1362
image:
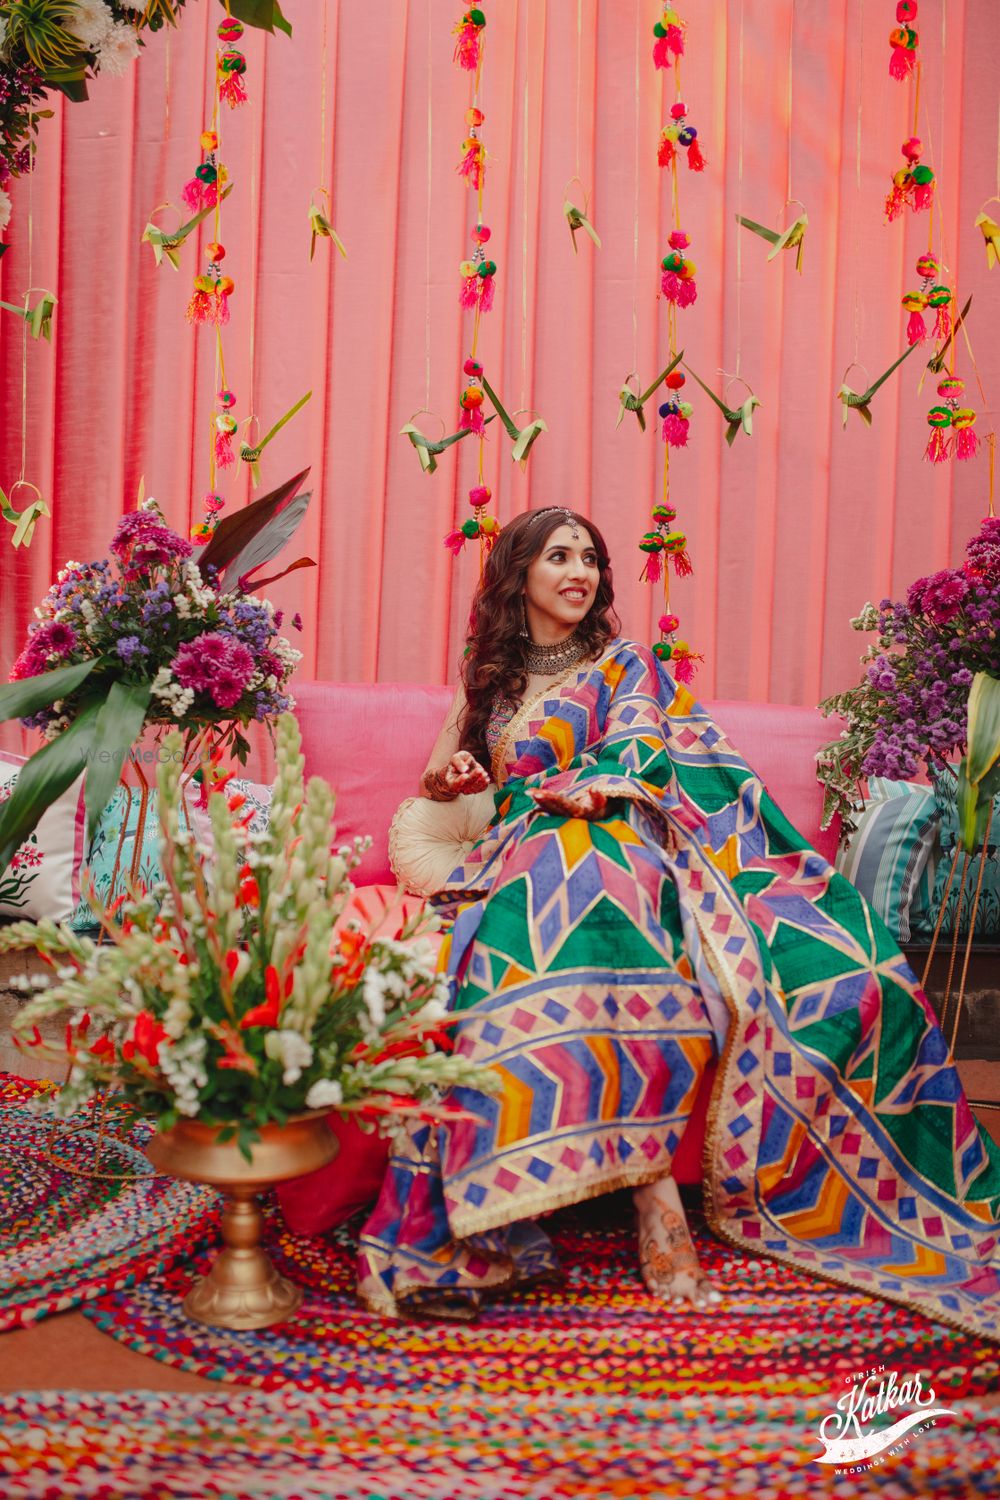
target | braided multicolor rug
x=65, y=1237
x=314, y=1446
x=597, y=1332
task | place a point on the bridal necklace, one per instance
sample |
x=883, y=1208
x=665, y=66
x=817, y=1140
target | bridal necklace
x=546, y=660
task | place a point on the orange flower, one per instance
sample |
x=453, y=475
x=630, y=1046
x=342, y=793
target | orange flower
x=147, y=1034
x=266, y=1014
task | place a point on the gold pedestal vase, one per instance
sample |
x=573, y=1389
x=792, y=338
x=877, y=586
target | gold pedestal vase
x=242, y=1289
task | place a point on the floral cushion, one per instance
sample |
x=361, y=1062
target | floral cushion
x=987, y=927
x=888, y=857
x=110, y=866
x=43, y=877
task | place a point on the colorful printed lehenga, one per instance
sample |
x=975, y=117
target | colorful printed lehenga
x=601, y=965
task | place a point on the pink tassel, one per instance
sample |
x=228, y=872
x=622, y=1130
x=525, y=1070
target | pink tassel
x=232, y=91
x=199, y=309
x=942, y=323
x=469, y=295
x=667, y=151
x=682, y=668
x=916, y=328
x=902, y=62
x=670, y=285
x=198, y=195
x=467, y=48
x=471, y=166
x=936, y=451
x=675, y=40
x=653, y=571
x=454, y=541
x=661, y=51
x=966, y=444
x=682, y=564
x=675, y=431
x=923, y=194
x=225, y=455
x=221, y=309
x=696, y=161
x=471, y=419
x=487, y=293
x=687, y=294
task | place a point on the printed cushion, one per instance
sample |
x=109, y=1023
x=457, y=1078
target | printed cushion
x=428, y=840
x=987, y=928
x=888, y=858
x=111, y=859
x=43, y=877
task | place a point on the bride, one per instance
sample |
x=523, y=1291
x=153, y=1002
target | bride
x=638, y=908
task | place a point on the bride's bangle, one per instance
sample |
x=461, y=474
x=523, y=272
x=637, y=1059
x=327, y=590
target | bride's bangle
x=437, y=788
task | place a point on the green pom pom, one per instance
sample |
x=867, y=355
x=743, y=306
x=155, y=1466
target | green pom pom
x=922, y=174
x=488, y=268
x=939, y=416
x=659, y=30
x=470, y=528
x=663, y=650
x=651, y=542
x=206, y=172
x=477, y=17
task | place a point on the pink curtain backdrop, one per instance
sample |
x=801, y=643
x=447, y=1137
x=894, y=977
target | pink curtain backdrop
x=790, y=531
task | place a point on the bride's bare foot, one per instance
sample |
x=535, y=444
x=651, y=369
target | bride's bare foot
x=669, y=1262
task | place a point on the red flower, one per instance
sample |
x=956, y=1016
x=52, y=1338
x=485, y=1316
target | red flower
x=147, y=1034
x=249, y=891
x=104, y=1048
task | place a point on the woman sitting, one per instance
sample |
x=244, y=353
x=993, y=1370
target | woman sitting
x=637, y=908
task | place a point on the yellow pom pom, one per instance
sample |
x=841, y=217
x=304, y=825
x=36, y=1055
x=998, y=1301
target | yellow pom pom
x=490, y=525
x=467, y=268
x=209, y=140
x=687, y=271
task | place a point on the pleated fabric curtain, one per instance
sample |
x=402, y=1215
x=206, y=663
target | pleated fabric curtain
x=790, y=531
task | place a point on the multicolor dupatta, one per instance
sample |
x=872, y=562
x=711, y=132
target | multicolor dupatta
x=600, y=966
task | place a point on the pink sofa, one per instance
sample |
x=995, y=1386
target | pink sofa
x=371, y=743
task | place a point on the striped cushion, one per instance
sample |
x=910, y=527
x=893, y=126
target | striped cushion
x=887, y=859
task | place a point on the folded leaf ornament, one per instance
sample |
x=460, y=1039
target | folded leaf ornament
x=427, y=448
x=251, y=454
x=737, y=417
x=783, y=239
x=991, y=234
x=166, y=244
x=522, y=437
x=860, y=401
x=939, y=359
x=23, y=521
x=577, y=220
x=321, y=228
x=629, y=401
x=38, y=318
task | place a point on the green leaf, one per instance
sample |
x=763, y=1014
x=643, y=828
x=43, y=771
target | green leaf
x=20, y=699
x=972, y=811
x=119, y=724
x=983, y=737
x=43, y=778
x=234, y=532
x=264, y=14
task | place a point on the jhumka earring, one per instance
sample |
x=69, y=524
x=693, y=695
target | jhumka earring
x=524, y=619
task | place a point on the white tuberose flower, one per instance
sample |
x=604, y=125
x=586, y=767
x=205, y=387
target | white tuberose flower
x=324, y=1092
x=292, y=1050
x=118, y=50
x=91, y=23
x=5, y=206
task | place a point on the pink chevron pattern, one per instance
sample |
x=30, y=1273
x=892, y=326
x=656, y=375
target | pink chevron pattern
x=601, y=965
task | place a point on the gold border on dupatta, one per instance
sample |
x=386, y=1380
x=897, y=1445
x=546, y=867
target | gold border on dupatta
x=497, y=758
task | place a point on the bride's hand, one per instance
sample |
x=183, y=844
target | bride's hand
x=462, y=776
x=587, y=803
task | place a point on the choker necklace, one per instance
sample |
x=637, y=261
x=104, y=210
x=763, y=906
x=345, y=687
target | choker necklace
x=542, y=660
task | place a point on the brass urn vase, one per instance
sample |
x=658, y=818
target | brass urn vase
x=242, y=1289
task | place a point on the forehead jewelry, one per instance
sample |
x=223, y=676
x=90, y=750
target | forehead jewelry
x=571, y=520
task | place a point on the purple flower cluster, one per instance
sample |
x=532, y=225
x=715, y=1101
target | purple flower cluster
x=216, y=664
x=947, y=630
x=142, y=542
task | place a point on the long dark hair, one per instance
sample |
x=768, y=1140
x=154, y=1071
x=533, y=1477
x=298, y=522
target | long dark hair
x=495, y=656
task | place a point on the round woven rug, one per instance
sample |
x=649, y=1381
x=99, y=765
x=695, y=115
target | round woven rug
x=66, y=1235
x=243, y=1445
x=776, y=1332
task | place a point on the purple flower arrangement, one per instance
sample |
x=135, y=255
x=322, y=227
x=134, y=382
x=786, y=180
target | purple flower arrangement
x=147, y=615
x=910, y=708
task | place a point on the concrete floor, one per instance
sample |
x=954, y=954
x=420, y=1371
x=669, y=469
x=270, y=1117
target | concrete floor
x=66, y=1352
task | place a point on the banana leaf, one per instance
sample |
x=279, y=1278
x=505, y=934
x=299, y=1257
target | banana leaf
x=984, y=726
x=119, y=724
x=264, y=14
x=43, y=778
x=20, y=699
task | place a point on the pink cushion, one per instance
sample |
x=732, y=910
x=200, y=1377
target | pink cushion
x=371, y=742
x=322, y=1200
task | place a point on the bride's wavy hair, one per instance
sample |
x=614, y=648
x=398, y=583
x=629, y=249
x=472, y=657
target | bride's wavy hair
x=495, y=652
